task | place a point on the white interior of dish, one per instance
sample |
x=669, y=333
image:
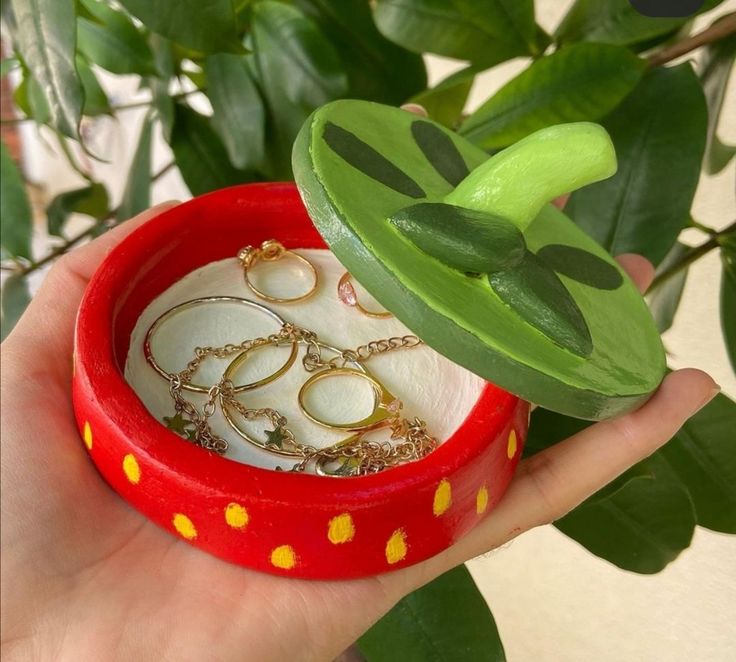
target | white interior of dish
x=430, y=386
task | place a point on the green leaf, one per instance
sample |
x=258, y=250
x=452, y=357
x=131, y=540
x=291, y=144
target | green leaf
x=29, y=98
x=616, y=22
x=703, y=456
x=199, y=153
x=664, y=301
x=46, y=38
x=90, y=200
x=16, y=298
x=15, y=210
x=7, y=65
x=728, y=300
x=485, y=32
x=298, y=70
x=715, y=72
x=445, y=101
x=643, y=208
x=112, y=41
x=580, y=82
x=239, y=115
x=137, y=193
x=447, y=620
x=377, y=69
x=95, y=99
x=162, y=101
x=209, y=26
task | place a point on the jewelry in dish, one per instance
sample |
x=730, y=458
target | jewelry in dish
x=346, y=293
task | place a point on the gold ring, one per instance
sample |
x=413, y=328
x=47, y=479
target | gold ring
x=385, y=406
x=270, y=251
x=346, y=293
x=264, y=445
x=200, y=388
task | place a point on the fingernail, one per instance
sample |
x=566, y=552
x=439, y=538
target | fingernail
x=711, y=394
x=415, y=108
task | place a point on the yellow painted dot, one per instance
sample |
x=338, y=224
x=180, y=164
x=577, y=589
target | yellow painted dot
x=87, y=435
x=131, y=469
x=341, y=529
x=283, y=557
x=236, y=516
x=184, y=526
x=442, y=498
x=396, y=546
x=511, y=448
x=481, y=500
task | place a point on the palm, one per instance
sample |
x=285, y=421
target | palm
x=94, y=576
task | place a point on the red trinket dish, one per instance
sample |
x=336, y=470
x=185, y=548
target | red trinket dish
x=299, y=525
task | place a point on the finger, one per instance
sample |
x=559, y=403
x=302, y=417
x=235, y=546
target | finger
x=640, y=269
x=46, y=329
x=561, y=201
x=416, y=109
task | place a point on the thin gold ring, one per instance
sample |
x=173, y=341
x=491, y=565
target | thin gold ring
x=201, y=388
x=386, y=406
x=346, y=293
x=360, y=369
x=269, y=251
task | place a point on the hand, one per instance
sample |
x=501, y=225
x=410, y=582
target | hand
x=85, y=577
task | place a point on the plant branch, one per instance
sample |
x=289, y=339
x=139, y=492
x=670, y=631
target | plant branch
x=691, y=256
x=719, y=30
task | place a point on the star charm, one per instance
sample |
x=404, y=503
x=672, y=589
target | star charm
x=275, y=437
x=178, y=424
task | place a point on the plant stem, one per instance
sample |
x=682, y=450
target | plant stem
x=691, y=256
x=719, y=30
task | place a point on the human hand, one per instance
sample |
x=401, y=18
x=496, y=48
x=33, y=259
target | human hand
x=85, y=577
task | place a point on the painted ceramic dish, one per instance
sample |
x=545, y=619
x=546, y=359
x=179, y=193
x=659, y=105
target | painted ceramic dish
x=466, y=252
x=292, y=524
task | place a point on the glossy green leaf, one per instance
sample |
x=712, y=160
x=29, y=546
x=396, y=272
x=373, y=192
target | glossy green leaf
x=643, y=208
x=46, y=39
x=209, y=26
x=137, y=193
x=445, y=101
x=29, y=98
x=715, y=72
x=728, y=300
x=7, y=65
x=239, y=115
x=298, y=71
x=15, y=299
x=664, y=301
x=616, y=22
x=447, y=620
x=580, y=82
x=377, y=69
x=90, y=200
x=95, y=99
x=703, y=456
x=467, y=240
x=485, y=32
x=163, y=103
x=15, y=210
x=199, y=153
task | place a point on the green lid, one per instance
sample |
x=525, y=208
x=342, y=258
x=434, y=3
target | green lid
x=466, y=251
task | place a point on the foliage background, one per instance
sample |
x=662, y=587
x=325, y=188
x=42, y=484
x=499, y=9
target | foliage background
x=564, y=581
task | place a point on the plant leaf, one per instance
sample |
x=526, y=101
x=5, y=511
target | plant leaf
x=298, y=70
x=377, y=69
x=46, y=39
x=239, y=115
x=445, y=101
x=664, y=301
x=164, y=58
x=15, y=210
x=485, y=32
x=728, y=299
x=95, y=99
x=715, y=72
x=210, y=26
x=7, y=65
x=90, y=200
x=16, y=298
x=580, y=82
x=199, y=153
x=616, y=22
x=137, y=193
x=112, y=41
x=28, y=97
x=643, y=208
x=446, y=620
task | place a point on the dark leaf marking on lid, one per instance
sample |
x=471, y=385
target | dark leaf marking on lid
x=362, y=156
x=580, y=265
x=440, y=151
